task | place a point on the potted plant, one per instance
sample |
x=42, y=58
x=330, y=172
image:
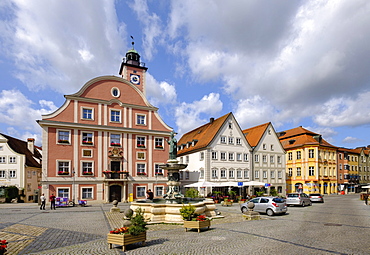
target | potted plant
x=217, y=196
x=3, y=245
x=134, y=233
x=193, y=220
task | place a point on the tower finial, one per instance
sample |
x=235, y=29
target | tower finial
x=132, y=41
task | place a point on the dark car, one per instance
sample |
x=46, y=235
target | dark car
x=268, y=205
x=316, y=197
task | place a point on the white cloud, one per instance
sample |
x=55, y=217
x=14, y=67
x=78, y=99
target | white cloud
x=61, y=44
x=160, y=93
x=188, y=115
x=350, y=139
x=18, y=111
x=345, y=111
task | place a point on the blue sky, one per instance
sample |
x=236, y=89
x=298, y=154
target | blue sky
x=292, y=63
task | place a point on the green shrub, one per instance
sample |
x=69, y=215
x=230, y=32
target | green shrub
x=138, y=223
x=187, y=212
x=192, y=193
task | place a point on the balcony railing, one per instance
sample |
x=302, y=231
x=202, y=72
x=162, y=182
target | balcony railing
x=116, y=174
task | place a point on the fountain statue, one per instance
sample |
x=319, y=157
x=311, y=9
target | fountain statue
x=168, y=209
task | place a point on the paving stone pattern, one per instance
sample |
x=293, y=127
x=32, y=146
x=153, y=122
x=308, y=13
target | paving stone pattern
x=339, y=226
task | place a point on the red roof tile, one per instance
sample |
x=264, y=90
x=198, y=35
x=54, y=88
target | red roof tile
x=254, y=134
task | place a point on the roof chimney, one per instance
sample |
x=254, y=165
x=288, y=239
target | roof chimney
x=31, y=145
x=211, y=120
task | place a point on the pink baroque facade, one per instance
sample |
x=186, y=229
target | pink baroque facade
x=106, y=142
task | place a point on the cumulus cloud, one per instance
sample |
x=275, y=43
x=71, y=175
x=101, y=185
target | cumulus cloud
x=350, y=139
x=189, y=115
x=61, y=44
x=160, y=93
x=17, y=110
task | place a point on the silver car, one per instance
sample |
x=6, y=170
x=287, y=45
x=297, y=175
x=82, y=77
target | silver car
x=301, y=199
x=269, y=205
x=316, y=197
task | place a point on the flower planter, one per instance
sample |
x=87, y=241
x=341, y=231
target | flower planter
x=196, y=224
x=227, y=203
x=125, y=239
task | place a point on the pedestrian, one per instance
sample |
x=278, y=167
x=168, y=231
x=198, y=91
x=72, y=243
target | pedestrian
x=149, y=194
x=366, y=197
x=43, y=201
x=52, y=201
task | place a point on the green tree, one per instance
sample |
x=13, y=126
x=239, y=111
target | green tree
x=192, y=193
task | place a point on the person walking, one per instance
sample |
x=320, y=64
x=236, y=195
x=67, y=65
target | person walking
x=52, y=201
x=43, y=201
x=366, y=197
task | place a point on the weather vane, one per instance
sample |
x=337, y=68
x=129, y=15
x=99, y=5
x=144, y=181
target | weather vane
x=132, y=41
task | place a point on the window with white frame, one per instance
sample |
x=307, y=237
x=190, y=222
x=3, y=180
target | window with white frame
x=311, y=171
x=140, y=119
x=272, y=159
x=238, y=141
x=186, y=159
x=63, y=167
x=158, y=143
x=299, y=155
x=12, y=159
x=115, y=139
x=231, y=140
x=299, y=171
x=264, y=146
x=246, y=174
x=223, y=155
x=140, y=155
x=140, y=142
x=264, y=174
x=256, y=174
x=246, y=158
x=1, y=148
x=214, y=174
x=3, y=160
x=63, y=136
x=140, y=191
x=63, y=192
x=272, y=147
x=214, y=155
x=230, y=125
x=87, y=168
x=279, y=159
x=115, y=116
x=2, y=174
x=256, y=158
x=87, y=113
x=290, y=155
x=87, y=193
x=272, y=173
x=159, y=191
x=187, y=175
x=12, y=173
x=239, y=174
x=201, y=156
x=231, y=174
x=140, y=169
x=290, y=171
x=231, y=156
x=158, y=170
x=201, y=176
x=311, y=153
x=238, y=156
x=280, y=174
x=87, y=138
x=223, y=139
x=264, y=158
x=223, y=173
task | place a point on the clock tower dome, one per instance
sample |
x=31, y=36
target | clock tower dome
x=133, y=70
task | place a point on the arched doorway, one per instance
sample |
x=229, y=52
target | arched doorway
x=115, y=192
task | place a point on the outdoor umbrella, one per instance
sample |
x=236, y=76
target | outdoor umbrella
x=253, y=183
x=202, y=184
x=227, y=184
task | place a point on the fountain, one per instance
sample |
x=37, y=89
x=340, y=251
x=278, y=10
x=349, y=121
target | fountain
x=167, y=210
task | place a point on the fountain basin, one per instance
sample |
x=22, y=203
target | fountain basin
x=162, y=212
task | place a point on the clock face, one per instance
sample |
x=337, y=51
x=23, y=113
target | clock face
x=135, y=79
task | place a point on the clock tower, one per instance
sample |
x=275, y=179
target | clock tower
x=133, y=70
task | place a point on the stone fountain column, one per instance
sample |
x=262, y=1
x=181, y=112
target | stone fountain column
x=173, y=168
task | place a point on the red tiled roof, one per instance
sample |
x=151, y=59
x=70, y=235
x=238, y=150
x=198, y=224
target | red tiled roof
x=294, y=132
x=254, y=134
x=22, y=148
x=202, y=136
